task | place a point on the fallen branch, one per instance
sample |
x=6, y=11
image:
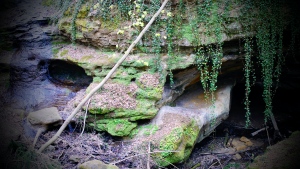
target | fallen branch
x=256, y=132
x=58, y=133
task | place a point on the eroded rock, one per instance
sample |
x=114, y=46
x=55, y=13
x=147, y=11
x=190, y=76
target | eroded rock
x=182, y=126
x=42, y=120
x=96, y=164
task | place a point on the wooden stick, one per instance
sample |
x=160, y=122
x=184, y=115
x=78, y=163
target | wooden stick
x=256, y=132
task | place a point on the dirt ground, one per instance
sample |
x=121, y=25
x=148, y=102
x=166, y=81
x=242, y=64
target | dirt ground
x=73, y=148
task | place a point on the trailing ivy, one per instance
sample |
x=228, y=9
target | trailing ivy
x=74, y=17
x=269, y=41
x=248, y=66
x=170, y=48
x=104, y=9
x=208, y=58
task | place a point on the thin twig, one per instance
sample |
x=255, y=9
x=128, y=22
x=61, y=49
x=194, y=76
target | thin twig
x=219, y=163
x=87, y=106
x=148, y=161
x=212, y=164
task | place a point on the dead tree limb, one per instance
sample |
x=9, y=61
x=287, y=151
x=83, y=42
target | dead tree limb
x=58, y=133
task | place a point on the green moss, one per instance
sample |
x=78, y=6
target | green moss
x=64, y=52
x=85, y=58
x=145, y=109
x=47, y=2
x=111, y=24
x=97, y=79
x=116, y=127
x=171, y=142
x=149, y=129
x=55, y=52
x=182, y=140
x=83, y=12
x=79, y=35
x=100, y=110
x=81, y=22
x=145, y=130
x=68, y=12
x=187, y=32
x=125, y=75
x=151, y=94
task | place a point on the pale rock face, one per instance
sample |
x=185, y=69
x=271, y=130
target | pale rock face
x=190, y=121
x=93, y=164
x=44, y=116
x=41, y=120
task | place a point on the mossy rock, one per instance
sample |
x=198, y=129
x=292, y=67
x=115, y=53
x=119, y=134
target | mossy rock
x=151, y=94
x=83, y=12
x=116, y=127
x=182, y=140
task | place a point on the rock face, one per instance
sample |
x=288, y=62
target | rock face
x=93, y=164
x=42, y=120
x=116, y=29
x=180, y=127
x=158, y=83
x=146, y=85
x=129, y=96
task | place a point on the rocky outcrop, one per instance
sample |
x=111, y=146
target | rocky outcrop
x=180, y=127
x=96, y=164
x=105, y=33
x=42, y=120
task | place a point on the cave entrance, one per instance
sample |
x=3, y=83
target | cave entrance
x=68, y=74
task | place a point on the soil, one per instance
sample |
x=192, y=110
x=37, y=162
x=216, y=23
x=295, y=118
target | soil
x=73, y=148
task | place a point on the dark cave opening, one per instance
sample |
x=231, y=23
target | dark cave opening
x=68, y=74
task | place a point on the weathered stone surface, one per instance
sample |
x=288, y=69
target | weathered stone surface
x=246, y=141
x=96, y=164
x=189, y=122
x=237, y=156
x=284, y=154
x=41, y=120
x=238, y=145
x=128, y=97
x=44, y=116
x=103, y=33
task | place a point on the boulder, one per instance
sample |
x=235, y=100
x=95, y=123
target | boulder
x=41, y=120
x=179, y=128
x=96, y=164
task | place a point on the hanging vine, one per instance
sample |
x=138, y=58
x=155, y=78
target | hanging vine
x=248, y=66
x=269, y=42
x=73, y=22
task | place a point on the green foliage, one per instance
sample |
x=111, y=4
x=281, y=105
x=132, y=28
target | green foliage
x=47, y=2
x=247, y=73
x=208, y=58
x=145, y=130
x=170, y=142
x=269, y=41
x=116, y=127
x=73, y=22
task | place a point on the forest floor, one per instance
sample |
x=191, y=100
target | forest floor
x=73, y=148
